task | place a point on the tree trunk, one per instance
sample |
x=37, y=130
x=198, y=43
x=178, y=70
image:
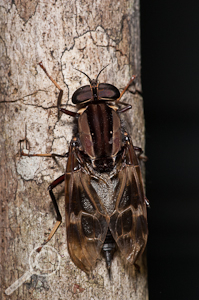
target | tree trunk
x=64, y=35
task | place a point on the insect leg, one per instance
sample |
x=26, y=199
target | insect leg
x=55, y=183
x=56, y=84
x=136, y=148
x=147, y=201
x=53, y=155
x=127, y=107
x=68, y=112
x=126, y=87
x=27, y=147
x=140, y=156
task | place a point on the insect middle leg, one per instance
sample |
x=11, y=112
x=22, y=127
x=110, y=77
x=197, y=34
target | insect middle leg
x=27, y=147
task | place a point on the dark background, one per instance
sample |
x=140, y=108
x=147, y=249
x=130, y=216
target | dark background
x=170, y=79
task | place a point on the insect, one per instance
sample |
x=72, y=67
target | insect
x=101, y=157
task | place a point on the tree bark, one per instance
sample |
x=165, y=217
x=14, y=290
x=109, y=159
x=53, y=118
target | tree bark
x=64, y=35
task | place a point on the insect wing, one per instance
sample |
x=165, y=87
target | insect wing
x=128, y=223
x=86, y=222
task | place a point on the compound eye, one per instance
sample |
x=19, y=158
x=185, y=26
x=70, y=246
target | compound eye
x=82, y=94
x=108, y=91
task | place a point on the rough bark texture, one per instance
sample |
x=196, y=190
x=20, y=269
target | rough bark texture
x=62, y=34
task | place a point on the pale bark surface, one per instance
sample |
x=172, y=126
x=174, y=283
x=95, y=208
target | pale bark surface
x=62, y=34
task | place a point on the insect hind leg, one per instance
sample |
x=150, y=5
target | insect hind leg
x=55, y=183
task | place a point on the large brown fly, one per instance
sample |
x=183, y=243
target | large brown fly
x=101, y=157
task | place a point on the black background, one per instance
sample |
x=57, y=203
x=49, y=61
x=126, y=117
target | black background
x=170, y=79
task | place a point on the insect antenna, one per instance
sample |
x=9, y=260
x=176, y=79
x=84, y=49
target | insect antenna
x=101, y=71
x=88, y=76
x=84, y=74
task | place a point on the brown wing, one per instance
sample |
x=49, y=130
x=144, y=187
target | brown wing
x=128, y=223
x=86, y=222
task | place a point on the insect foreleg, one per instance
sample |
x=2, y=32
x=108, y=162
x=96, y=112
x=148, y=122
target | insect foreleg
x=126, y=87
x=68, y=112
x=56, y=84
x=127, y=107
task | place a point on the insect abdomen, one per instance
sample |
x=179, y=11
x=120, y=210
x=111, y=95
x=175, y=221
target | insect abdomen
x=109, y=248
